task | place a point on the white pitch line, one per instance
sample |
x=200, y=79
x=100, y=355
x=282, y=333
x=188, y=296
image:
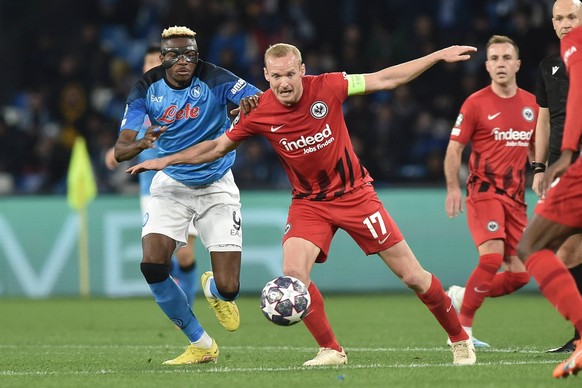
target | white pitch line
x=275, y=348
x=210, y=370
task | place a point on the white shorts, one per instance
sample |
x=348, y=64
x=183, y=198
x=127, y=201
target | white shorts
x=213, y=209
x=145, y=199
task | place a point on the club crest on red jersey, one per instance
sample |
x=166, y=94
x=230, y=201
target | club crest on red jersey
x=528, y=114
x=318, y=109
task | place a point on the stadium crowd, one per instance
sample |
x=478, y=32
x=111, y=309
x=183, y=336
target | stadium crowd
x=70, y=65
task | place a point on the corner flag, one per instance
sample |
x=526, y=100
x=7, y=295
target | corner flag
x=81, y=187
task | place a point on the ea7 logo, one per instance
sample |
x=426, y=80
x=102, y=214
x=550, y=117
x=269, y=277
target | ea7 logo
x=156, y=98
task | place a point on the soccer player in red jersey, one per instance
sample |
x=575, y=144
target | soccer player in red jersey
x=302, y=118
x=551, y=95
x=558, y=213
x=499, y=122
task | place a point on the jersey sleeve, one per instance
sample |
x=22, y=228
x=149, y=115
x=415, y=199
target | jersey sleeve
x=337, y=84
x=135, y=108
x=571, y=49
x=540, y=89
x=226, y=86
x=240, y=129
x=466, y=122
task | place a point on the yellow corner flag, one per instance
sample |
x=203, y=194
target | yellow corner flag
x=81, y=187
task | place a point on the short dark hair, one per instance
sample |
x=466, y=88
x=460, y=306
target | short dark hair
x=153, y=48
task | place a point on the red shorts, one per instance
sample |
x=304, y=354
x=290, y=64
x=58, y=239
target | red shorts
x=563, y=202
x=494, y=217
x=360, y=213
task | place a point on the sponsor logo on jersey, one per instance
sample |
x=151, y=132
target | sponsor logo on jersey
x=156, y=98
x=240, y=84
x=275, y=129
x=568, y=53
x=318, y=109
x=528, y=114
x=512, y=137
x=456, y=131
x=309, y=144
x=555, y=69
x=172, y=113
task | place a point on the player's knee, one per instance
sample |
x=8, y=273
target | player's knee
x=154, y=273
x=491, y=262
x=418, y=281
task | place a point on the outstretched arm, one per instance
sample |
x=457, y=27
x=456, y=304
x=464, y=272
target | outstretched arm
x=206, y=151
x=394, y=76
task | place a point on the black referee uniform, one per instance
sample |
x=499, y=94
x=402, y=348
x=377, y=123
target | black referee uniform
x=552, y=92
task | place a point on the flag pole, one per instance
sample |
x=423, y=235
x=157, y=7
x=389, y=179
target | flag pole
x=83, y=253
x=81, y=189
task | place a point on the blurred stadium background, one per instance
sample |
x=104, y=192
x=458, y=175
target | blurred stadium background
x=69, y=64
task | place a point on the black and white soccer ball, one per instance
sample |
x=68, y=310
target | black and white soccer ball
x=285, y=300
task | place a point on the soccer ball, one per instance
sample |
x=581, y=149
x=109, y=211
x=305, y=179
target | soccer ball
x=285, y=300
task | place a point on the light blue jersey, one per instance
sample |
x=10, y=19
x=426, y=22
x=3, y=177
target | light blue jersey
x=192, y=114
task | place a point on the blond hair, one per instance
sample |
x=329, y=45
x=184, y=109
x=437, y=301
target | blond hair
x=496, y=39
x=177, y=32
x=280, y=50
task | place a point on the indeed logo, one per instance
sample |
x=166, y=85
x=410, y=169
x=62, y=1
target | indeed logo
x=310, y=143
x=513, y=138
x=511, y=134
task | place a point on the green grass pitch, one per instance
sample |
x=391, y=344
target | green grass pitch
x=392, y=341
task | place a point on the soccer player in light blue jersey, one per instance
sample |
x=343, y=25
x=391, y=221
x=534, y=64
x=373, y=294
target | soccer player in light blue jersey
x=186, y=101
x=183, y=266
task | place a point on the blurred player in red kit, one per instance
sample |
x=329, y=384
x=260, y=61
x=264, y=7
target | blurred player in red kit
x=301, y=116
x=551, y=95
x=558, y=213
x=499, y=122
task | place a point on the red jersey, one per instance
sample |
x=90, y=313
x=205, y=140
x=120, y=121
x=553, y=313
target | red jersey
x=571, y=47
x=310, y=138
x=500, y=131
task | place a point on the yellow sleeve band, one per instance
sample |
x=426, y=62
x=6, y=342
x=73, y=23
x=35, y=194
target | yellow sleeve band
x=356, y=84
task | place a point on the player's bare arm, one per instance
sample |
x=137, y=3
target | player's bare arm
x=541, y=146
x=127, y=147
x=452, y=165
x=394, y=76
x=204, y=152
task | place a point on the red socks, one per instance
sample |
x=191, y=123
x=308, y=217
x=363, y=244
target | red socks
x=557, y=285
x=505, y=283
x=317, y=323
x=440, y=305
x=478, y=286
